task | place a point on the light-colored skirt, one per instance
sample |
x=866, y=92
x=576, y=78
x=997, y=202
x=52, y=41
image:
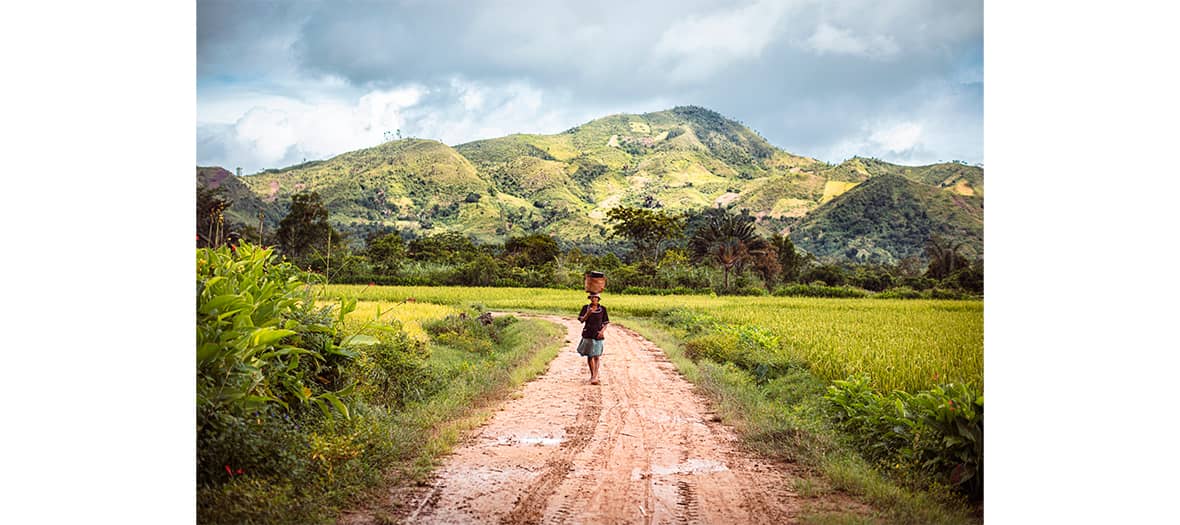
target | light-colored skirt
x=590, y=347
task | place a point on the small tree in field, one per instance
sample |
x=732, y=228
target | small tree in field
x=386, y=253
x=305, y=230
x=646, y=228
x=532, y=250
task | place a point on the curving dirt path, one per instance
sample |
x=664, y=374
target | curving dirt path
x=640, y=448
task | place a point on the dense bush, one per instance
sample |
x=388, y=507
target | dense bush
x=872, y=279
x=944, y=293
x=937, y=431
x=749, y=347
x=901, y=292
x=830, y=274
x=679, y=290
x=265, y=354
x=818, y=290
x=478, y=335
x=393, y=369
x=917, y=283
x=686, y=319
x=747, y=290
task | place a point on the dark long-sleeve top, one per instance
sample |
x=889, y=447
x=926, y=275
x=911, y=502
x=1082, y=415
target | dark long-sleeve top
x=593, y=321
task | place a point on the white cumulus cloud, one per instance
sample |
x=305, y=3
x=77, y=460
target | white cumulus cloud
x=829, y=39
x=286, y=131
x=898, y=137
x=700, y=45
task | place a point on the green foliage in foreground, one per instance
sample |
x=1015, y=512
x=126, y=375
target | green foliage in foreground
x=298, y=417
x=937, y=431
x=262, y=344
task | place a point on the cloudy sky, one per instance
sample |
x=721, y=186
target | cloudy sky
x=278, y=83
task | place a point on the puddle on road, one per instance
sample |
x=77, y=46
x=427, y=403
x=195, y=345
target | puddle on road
x=692, y=466
x=545, y=441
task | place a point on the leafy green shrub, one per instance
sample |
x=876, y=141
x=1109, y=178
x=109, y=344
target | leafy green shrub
x=749, y=347
x=937, y=431
x=686, y=319
x=943, y=293
x=901, y=292
x=755, y=291
x=816, y=290
x=644, y=290
x=917, y=283
x=720, y=348
x=265, y=355
x=478, y=335
x=261, y=339
x=394, y=370
x=830, y=274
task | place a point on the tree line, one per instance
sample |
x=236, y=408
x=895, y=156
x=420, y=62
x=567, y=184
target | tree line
x=708, y=250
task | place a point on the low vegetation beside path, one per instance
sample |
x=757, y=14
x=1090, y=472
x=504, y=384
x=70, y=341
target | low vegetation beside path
x=305, y=405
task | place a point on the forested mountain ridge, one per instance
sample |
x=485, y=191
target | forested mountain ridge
x=682, y=159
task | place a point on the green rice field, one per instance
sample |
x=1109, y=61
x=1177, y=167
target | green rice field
x=900, y=344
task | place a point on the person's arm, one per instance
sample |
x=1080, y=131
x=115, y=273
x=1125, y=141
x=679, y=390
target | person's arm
x=582, y=314
x=605, y=321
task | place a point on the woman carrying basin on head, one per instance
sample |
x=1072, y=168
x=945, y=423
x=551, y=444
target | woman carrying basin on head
x=594, y=320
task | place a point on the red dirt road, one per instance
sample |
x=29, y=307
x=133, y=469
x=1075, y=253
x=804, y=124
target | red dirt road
x=640, y=448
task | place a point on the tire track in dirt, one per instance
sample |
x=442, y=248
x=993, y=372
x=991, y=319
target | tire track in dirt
x=529, y=508
x=640, y=448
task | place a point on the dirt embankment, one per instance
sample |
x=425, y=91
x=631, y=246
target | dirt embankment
x=640, y=448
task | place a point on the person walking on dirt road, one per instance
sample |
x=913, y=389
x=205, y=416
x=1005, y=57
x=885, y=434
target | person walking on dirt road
x=594, y=320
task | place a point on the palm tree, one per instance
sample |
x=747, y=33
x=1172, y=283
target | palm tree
x=944, y=257
x=729, y=241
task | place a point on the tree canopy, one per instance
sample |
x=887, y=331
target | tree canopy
x=728, y=240
x=305, y=230
x=646, y=228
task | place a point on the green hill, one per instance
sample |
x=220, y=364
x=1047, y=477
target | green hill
x=246, y=204
x=680, y=159
x=888, y=218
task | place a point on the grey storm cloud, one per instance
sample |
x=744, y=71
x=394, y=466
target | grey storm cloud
x=817, y=78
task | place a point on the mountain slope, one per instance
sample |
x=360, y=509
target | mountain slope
x=245, y=204
x=681, y=159
x=888, y=218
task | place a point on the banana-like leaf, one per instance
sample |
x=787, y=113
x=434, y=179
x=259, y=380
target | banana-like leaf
x=323, y=407
x=218, y=303
x=360, y=339
x=267, y=336
x=284, y=351
x=207, y=351
x=336, y=403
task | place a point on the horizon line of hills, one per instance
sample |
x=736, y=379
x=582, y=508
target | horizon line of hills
x=687, y=158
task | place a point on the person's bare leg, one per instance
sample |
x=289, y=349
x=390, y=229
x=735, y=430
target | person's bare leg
x=590, y=365
x=594, y=369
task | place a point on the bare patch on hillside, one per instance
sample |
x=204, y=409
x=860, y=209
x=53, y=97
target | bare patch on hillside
x=835, y=188
x=726, y=199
